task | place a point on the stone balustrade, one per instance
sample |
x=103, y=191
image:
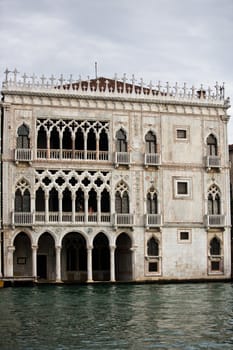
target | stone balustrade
x=115, y=87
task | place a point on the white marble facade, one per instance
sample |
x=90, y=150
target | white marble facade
x=103, y=180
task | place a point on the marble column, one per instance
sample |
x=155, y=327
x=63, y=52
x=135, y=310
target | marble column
x=10, y=261
x=133, y=250
x=58, y=264
x=34, y=261
x=112, y=263
x=89, y=264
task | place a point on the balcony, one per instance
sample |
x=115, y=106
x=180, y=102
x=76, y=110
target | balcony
x=213, y=162
x=55, y=154
x=23, y=155
x=122, y=158
x=152, y=159
x=22, y=219
x=42, y=218
x=153, y=220
x=123, y=220
x=215, y=220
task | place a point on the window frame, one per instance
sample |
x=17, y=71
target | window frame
x=179, y=128
x=176, y=181
x=181, y=240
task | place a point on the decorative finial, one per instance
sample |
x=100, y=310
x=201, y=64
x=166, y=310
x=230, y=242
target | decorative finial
x=7, y=71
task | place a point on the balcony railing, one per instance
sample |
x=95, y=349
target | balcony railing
x=153, y=220
x=23, y=155
x=124, y=220
x=24, y=219
x=122, y=158
x=213, y=162
x=72, y=154
x=152, y=159
x=215, y=220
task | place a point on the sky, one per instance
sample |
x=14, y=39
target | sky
x=168, y=40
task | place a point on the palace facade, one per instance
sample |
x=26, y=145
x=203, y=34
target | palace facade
x=106, y=180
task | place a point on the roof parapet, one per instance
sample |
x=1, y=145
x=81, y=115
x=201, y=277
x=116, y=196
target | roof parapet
x=116, y=87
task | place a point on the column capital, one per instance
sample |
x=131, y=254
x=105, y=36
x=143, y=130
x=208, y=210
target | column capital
x=112, y=247
x=57, y=247
x=34, y=247
x=89, y=247
x=11, y=248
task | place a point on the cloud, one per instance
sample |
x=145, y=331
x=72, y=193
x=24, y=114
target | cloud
x=168, y=40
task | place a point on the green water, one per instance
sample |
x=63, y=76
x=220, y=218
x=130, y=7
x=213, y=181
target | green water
x=147, y=316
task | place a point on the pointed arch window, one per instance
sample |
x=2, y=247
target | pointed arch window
x=22, y=201
x=121, y=143
x=122, y=203
x=150, y=139
x=214, y=201
x=23, y=137
x=215, y=246
x=152, y=202
x=152, y=247
x=212, y=146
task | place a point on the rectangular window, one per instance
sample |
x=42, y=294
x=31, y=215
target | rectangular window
x=182, y=187
x=153, y=266
x=181, y=134
x=215, y=265
x=184, y=235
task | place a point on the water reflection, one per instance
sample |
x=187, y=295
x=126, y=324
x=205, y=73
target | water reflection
x=173, y=316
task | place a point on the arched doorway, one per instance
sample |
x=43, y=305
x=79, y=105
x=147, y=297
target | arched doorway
x=74, y=257
x=101, y=258
x=46, y=257
x=22, y=260
x=123, y=258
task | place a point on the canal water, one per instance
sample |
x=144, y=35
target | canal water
x=125, y=316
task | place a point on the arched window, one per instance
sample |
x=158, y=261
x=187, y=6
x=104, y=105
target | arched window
x=215, y=246
x=105, y=201
x=53, y=200
x=152, y=247
x=41, y=138
x=67, y=139
x=212, y=146
x=22, y=201
x=54, y=139
x=152, y=203
x=214, y=202
x=66, y=201
x=121, y=143
x=23, y=137
x=150, y=142
x=92, y=201
x=40, y=200
x=122, y=203
x=79, y=140
x=103, y=141
x=91, y=140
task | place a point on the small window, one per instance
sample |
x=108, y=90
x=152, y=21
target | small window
x=184, y=235
x=215, y=265
x=182, y=187
x=153, y=266
x=181, y=134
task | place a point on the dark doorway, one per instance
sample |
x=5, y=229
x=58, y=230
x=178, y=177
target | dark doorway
x=42, y=266
x=123, y=258
x=101, y=258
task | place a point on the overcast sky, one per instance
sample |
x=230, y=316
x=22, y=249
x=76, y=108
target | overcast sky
x=169, y=40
